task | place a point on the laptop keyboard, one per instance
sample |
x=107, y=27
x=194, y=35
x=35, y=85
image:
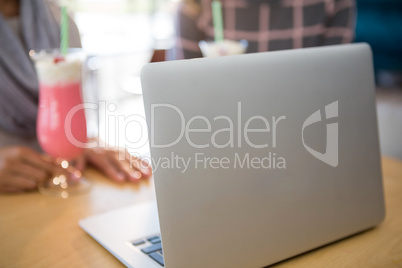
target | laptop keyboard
x=152, y=247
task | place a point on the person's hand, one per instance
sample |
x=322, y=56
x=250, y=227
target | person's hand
x=130, y=169
x=21, y=169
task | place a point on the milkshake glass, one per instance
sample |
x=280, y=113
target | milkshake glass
x=223, y=48
x=61, y=123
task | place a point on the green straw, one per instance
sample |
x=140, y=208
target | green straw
x=218, y=21
x=64, y=31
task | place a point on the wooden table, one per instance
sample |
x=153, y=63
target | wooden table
x=41, y=231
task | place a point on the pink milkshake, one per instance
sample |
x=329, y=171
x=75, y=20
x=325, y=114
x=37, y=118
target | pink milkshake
x=59, y=93
x=61, y=124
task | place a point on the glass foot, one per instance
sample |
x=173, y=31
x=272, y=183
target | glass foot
x=61, y=186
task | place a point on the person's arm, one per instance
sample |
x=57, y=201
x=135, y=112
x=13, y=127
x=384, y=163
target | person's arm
x=187, y=33
x=341, y=22
x=73, y=33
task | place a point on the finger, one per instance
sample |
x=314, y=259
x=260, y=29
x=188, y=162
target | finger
x=123, y=167
x=40, y=161
x=80, y=163
x=99, y=159
x=10, y=190
x=146, y=168
x=139, y=165
x=19, y=182
x=30, y=172
x=51, y=166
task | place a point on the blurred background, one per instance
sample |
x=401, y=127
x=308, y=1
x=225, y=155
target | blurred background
x=379, y=23
x=120, y=36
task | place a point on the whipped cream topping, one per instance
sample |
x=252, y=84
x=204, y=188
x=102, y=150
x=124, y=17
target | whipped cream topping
x=51, y=72
x=224, y=48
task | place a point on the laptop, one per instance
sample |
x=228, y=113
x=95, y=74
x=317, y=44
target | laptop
x=256, y=158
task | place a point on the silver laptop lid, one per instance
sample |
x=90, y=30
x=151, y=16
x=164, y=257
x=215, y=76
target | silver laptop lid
x=261, y=157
